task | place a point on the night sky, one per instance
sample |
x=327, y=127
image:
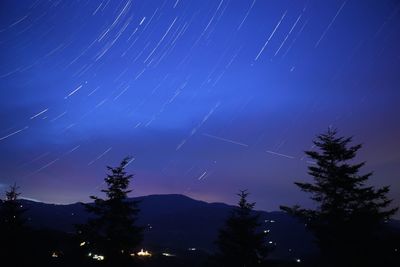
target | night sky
x=207, y=96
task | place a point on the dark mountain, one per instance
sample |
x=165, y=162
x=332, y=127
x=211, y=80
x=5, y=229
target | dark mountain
x=177, y=222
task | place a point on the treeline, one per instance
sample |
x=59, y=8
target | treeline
x=349, y=223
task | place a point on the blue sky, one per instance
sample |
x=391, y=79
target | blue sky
x=209, y=97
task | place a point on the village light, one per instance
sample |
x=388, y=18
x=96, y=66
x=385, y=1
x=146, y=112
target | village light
x=98, y=257
x=144, y=253
x=167, y=254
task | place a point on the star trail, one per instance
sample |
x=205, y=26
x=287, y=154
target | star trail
x=208, y=97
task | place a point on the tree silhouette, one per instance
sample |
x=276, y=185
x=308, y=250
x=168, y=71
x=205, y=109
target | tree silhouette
x=348, y=213
x=12, y=211
x=13, y=232
x=111, y=231
x=240, y=242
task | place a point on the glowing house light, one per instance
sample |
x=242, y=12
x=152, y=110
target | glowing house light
x=98, y=257
x=144, y=253
x=167, y=254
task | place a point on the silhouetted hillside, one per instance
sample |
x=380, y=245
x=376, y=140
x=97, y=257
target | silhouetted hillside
x=183, y=226
x=177, y=222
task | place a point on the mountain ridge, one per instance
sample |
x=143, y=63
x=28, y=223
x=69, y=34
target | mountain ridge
x=179, y=222
x=176, y=222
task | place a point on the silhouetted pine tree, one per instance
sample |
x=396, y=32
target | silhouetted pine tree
x=240, y=242
x=349, y=213
x=111, y=231
x=12, y=211
x=13, y=231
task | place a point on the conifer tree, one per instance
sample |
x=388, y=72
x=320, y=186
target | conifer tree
x=13, y=231
x=240, y=242
x=111, y=231
x=11, y=214
x=348, y=212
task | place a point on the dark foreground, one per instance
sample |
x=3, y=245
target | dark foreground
x=51, y=248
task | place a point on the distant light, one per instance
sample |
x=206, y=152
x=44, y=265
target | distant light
x=54, y=255
x=272, y=221
x=266, y=231
x=298, y=260
x=270, y=242
x=192, y=249
x=144, y=253
x=82, y=244
x=98, y=257
x=167, y=254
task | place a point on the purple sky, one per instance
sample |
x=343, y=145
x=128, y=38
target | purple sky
x=209, y=97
